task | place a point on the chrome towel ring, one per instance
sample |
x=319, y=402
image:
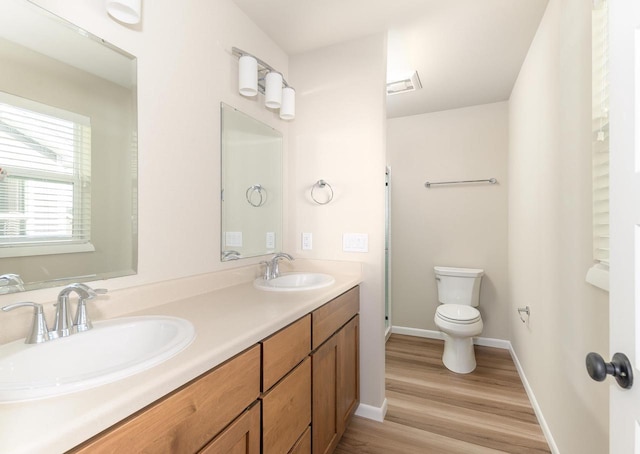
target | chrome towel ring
x=321, y=184
x=252, y=191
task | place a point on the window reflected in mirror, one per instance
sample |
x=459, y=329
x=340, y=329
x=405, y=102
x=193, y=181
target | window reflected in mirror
x=68, y=153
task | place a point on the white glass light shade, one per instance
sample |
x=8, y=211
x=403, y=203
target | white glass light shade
x=127, y=11
x=248, y=76
x=273, y=90
x=288, y=107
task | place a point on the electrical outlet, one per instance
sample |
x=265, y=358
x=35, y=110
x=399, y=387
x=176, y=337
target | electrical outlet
x=307, y=241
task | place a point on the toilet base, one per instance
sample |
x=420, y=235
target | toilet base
x=459, y=355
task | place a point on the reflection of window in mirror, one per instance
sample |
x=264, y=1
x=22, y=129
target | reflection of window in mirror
x=598, y=275
x=45, y=193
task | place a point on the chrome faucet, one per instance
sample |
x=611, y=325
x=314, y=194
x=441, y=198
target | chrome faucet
x=63, y=324
x=273, y=270
x=10, y=283
x=230, y=255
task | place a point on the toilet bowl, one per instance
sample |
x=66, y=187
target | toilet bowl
x=457, y=317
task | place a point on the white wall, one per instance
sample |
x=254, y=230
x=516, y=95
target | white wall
x=339, y=136
x=185, y=69
x=461, y=225
x=550, y=230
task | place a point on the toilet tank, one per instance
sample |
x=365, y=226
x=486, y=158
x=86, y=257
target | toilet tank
x=458, y=285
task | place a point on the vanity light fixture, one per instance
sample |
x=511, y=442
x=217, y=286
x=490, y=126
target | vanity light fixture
x=411, y=83
x=255, y=76
x=126, y=11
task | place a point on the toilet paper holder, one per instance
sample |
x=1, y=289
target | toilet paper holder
x=524, y=310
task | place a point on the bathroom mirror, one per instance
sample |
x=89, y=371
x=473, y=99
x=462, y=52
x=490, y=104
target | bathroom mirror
x=68, y=152
x=251, y=190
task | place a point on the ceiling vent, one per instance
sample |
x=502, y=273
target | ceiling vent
x=404, y=85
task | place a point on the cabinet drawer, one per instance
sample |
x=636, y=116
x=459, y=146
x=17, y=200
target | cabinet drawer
x=286, y=410
x=328, y=319
x=188, y=418
x=284, y=350
x=241, y=437
x=303, y=446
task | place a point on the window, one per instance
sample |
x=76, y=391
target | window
x=599, y=274
x=45, y=179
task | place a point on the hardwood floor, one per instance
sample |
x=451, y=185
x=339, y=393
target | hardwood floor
x=433, y=410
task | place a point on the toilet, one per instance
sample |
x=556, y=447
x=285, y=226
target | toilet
x=457, y=316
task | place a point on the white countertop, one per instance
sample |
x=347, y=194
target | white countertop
x=227, y=321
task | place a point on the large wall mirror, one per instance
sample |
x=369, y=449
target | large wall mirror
x=68, y=152
x=251, y=186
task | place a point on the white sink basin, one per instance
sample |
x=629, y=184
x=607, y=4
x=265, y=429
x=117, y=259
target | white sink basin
x=112, y=350
x=295, y=282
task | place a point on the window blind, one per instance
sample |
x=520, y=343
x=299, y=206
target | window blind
x=45, y=183
x=600, y=130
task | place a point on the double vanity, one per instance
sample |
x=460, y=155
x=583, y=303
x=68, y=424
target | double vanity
x=267, y=371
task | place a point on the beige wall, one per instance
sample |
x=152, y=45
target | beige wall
x=550, y=230
x=461, y=225
x=339, y=136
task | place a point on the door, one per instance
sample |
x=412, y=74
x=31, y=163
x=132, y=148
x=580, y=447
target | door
x=625, y=218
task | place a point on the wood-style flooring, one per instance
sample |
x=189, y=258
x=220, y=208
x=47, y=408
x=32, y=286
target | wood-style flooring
x=433, y=410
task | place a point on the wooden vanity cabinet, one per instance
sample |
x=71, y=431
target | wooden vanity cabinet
x=186, y=420
x=335, y=364
x=293, y=393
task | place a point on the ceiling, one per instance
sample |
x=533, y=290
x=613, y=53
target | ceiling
x=466, y=52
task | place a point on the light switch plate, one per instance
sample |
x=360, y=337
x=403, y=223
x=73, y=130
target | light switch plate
x=307, y=241
x=355, y=242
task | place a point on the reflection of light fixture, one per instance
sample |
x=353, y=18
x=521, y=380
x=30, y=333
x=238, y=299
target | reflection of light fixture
x=255, y=76
x=402, y=86
x=127, y=11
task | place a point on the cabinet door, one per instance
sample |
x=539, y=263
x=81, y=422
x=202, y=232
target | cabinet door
x=286, y=410
x=241, y=437
x=324, y=427
x=348, y=372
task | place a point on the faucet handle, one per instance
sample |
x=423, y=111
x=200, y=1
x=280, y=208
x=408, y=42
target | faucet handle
x=39, y=330
x=267, y=270
x=87, y=293
x=81, y=322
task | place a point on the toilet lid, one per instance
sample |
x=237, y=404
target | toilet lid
x=458, y=313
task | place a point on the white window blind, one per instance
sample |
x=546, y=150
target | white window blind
x=45, y=182
x=600, y=129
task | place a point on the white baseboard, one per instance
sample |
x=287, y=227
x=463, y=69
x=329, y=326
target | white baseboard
x=371, y=412
x=496, y=343
x=431, y=334
x=534, y=403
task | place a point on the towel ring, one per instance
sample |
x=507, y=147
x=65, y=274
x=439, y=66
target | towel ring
x=322, y=184
x=256, y=188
